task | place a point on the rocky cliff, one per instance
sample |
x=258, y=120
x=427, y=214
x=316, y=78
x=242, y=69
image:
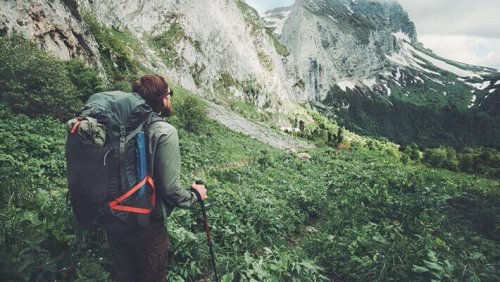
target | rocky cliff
x=222, y=46
x=362, y=64
x=343, y=42
x=358, y=61
x=55, y=25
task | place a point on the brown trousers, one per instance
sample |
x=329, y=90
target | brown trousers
x=140, y=254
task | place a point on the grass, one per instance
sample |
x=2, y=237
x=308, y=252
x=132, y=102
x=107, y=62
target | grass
x=356, y=214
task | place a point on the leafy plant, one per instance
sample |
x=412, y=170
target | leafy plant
x=33, y=82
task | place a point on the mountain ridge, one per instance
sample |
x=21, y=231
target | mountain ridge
x=338, y=54
x=358, y=63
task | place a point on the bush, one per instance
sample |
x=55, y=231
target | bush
x=116, y=55
x=191, y=112
x=35, y=83
x=485, y=161
x=86, y=80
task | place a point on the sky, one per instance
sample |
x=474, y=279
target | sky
x=467, y=31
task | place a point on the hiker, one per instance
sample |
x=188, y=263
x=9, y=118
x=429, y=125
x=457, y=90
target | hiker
x=141, y=254
x=123, y=166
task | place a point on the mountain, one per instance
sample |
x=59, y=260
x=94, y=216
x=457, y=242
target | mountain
x=362, y=64
x=217, y=49
x=358, y=62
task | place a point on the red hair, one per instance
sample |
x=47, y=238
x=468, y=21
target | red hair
x=152, y=88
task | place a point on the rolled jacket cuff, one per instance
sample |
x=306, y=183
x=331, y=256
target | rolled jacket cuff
x=196, y=193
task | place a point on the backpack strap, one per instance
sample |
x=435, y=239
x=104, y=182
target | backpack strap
x=123, y=157
x=124, y=139
x=117, y=203
x=151, y=151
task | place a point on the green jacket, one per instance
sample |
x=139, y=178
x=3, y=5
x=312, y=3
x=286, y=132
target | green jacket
x=165, y=163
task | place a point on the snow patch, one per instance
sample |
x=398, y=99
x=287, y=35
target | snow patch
x=345, y=106
x=444, y=93
x=333, y=19
x=398, y=74
x=442, y=64
x=389, y=91
x=349, y=8
x=402, y=36
x=492, y=90
x=370, y=82
x=406, y=58
x=346, y=84
x=479, y=86
x=473, y=100
x=436, y=80
x=497, y=83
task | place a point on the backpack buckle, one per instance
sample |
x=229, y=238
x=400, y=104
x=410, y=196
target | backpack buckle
x=123, y=132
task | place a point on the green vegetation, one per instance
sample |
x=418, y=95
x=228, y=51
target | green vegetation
x=196, y=71
x=484, y=161
x=252, y=17
x=245, y=106
x=280, y=48
x=119, y=52
x=190, y=111
x=165, y=45
x=358, y=213
x=404, y=121
x=265, y=61
x=37, y=84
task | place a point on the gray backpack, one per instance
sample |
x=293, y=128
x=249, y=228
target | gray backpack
x=109, y=184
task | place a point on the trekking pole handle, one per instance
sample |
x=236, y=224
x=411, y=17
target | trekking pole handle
x=205, y=219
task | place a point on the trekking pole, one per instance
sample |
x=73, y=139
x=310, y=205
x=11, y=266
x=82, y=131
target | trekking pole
x=207, y=230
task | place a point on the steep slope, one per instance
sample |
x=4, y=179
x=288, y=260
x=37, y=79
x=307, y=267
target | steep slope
x=55, y=25
x=217, y=48
x=362, y=63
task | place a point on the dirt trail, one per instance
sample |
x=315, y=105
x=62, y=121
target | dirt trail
x=267, y=135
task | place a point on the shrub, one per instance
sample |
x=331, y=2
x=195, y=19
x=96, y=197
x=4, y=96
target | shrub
x=485, y=161
x=191, y=112
x=116, y=55
x=33, y=82
x=86, y=80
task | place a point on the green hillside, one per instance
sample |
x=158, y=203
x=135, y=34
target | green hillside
x=357, y=213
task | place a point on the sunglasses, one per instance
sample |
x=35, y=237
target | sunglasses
x=170, y=92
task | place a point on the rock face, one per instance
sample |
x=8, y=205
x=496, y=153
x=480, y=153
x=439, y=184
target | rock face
x=340, y=41
x=356, y=60
x=222, y=38
x=224, y=45
x=55, y=25
x=362, y=64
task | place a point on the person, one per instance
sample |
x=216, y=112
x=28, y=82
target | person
x=141, y=253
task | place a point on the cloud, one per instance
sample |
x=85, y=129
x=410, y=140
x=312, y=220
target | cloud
x=473, y=50
x=455, y=17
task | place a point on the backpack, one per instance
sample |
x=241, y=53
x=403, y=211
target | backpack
x=109, y=185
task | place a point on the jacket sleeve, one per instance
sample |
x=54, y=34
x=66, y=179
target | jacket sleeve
x=167, y=170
